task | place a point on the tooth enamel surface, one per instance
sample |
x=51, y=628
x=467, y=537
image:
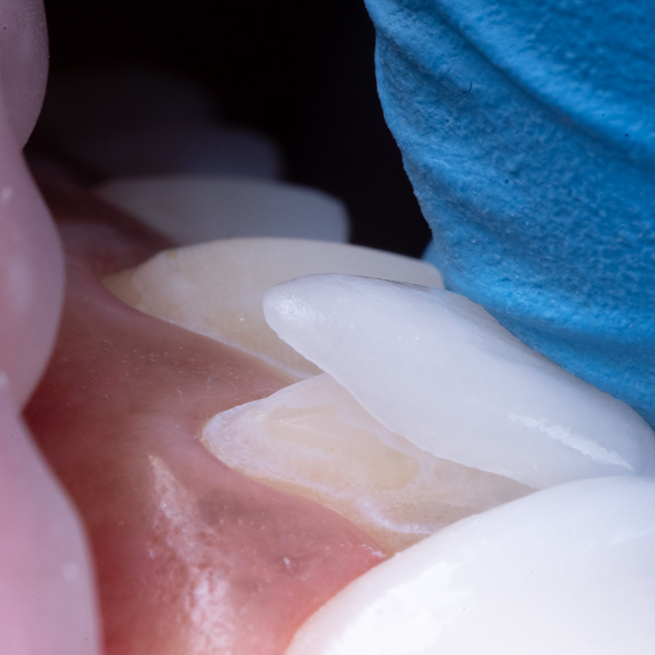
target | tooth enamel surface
x=478, y=396
x=315, y=440
x=216, y=289
x=194, y=209
x=567, y=570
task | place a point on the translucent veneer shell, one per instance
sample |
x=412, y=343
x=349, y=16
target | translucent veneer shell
x=478, y=395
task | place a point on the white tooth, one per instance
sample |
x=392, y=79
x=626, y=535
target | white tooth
x=315, y=440
x=216, y=289
x=478, y=396
x=194, y=209
x=569, y=570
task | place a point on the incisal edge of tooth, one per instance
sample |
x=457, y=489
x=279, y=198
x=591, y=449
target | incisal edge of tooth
x=216, y=289
x=315, y=440
x=567, y=570
x=478, y=395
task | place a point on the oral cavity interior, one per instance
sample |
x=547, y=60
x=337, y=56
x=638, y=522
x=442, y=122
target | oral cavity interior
x=478, y=396
x=486, y=421
x=313, y=438
x=430, y=412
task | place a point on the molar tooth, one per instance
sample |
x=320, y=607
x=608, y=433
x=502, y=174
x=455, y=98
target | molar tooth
x=315, y=440
x=478, y=395
x=216, y=289
x=565, y=570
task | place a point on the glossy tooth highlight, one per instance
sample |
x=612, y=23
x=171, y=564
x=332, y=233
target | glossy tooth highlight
x=315, y=440
x=565, y=570
x=479, y=396
x=216, y=289
x=195, y=208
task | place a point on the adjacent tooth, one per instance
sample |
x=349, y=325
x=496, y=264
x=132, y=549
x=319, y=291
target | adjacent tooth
x=568, y=570
x=315, y=440
x=216, y=289
x=437, y=369
x=195, y=209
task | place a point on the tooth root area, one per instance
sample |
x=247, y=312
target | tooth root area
x=478, y=396
x=315, y=440
x=565, y=570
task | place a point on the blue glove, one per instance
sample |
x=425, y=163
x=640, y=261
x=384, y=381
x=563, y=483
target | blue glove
x=527, y=129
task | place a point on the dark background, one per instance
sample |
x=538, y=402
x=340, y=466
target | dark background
x=300, y=70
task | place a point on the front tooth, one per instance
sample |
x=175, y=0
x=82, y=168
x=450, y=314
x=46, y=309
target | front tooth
x=216, y=289
x=195, y=209
x=478, y=396
x=315, y=440
x=566, y=570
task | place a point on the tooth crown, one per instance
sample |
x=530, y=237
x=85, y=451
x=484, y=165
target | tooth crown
x=566, y=570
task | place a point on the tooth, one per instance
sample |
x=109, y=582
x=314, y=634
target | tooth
x=315, y=440
x=565, y=570
x=216, y=289
x=194, y=209
x=478, y=396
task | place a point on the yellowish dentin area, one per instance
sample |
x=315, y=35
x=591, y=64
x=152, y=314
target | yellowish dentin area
x=315, y=440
